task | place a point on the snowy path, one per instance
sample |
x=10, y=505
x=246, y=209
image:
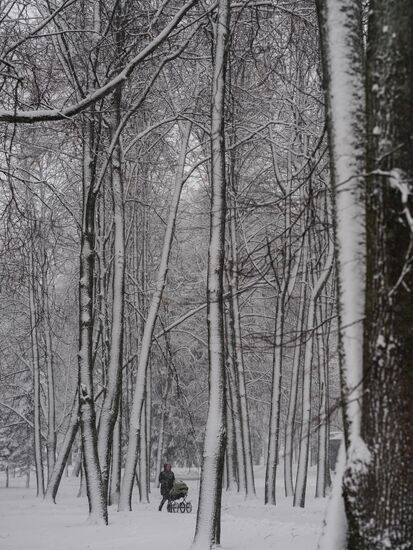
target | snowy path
x=26, y=523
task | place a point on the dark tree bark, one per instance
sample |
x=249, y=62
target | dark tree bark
x=385, y=491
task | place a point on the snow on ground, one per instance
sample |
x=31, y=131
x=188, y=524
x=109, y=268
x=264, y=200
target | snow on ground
x=27, y=523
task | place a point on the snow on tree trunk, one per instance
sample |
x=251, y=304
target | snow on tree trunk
x=208, y=524
x=110, y=403
x=95, y=489
x=301, y=483
x=343, y=63
x=380, y=515
x=125, y=502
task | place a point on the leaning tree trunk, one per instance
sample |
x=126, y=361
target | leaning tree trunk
x=208, y=524
x=65, y=448
x=125, y=502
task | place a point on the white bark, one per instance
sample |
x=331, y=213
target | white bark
x=343, y=63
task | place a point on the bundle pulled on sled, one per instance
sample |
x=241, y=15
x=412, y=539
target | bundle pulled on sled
x=177, y=498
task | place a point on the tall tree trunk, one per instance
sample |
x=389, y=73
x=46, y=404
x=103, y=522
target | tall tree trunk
x=95, y=489
x=37, y=433
x=384, y=487
x=208, y=524
x=341, y=30
x=125, y=502
x=111, y=399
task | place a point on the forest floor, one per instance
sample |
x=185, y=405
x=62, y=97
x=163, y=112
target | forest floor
x=27, y=523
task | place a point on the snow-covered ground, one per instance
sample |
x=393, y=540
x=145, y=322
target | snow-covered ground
x=27, y=523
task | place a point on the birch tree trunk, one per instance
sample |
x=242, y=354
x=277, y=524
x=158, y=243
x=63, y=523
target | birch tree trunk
x=125, y=502
x=208, y=523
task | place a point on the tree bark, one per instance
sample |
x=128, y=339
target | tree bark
x=341, y=30
x=95, y=489
x=110, y=405
x=208, y=524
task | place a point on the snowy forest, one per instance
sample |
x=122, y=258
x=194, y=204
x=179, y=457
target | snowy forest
x=206, y=268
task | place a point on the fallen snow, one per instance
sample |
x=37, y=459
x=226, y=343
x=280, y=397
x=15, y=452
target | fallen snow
x=27, y=523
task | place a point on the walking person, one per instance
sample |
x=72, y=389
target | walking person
x=166, y=480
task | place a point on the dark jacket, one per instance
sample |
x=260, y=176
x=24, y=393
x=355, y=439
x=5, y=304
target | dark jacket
x=166, y=479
